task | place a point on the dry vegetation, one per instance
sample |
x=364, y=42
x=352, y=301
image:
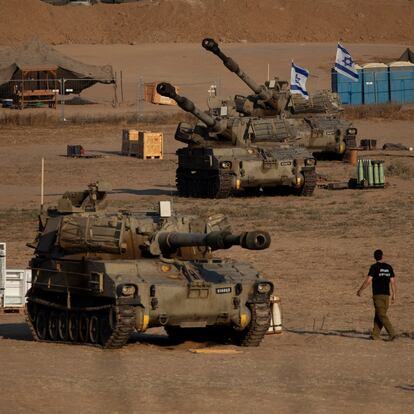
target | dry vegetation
x=45, y=119
x=400, y=169
x=383, y=111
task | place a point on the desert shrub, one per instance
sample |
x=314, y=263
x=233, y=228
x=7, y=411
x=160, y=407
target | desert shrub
x=384, y=111
x=400, y=169
x=28, y=119
x=41, y=119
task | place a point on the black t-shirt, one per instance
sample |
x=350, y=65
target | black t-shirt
x=381, y=275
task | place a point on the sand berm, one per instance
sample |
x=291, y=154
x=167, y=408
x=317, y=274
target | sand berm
x=149, y=21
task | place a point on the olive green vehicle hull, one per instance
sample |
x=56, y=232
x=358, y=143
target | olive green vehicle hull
x=99, y=276
x=221, y=172
x=69, y=303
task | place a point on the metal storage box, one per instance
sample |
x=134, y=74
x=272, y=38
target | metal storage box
x=349, y=91
x=16, y=285
x=401, y=82
x=74, y=151
x=376, y=87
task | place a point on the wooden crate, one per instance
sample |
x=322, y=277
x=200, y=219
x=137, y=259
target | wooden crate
x=142, y=144
x=150, y=145
x=151, y=95
x=129, y=141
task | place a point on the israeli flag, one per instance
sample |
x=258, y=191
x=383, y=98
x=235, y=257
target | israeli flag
x=344, y=63
x=298, y=78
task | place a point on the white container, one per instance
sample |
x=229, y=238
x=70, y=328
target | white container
x=17, y=283
x=2, y=270
x=275, y=316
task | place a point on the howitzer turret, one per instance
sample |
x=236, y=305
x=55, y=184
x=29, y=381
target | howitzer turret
x=231, y=154
x=100, y=276
x=314, y=120
x=275, y=98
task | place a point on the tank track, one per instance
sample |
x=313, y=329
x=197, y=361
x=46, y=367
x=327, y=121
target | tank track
x=309, y=185
x=250, y=336
x=118, y=330
x=204, y=184
x=258, y=326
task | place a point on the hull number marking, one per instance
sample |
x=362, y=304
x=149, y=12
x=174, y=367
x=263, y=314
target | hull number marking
x=223, y=290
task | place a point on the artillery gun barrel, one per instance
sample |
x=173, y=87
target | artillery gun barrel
x=252, y=240
x=212, y=46
x=166, y=89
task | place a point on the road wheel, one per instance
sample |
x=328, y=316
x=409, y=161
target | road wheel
x=53, y=326
x=73, y=327
x=41, y=324
x=94, y=329
x=83, y=328
x=63, y=326
x=31, y=310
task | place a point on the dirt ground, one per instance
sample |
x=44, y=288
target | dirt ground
x=320, y=252
x=190, y=20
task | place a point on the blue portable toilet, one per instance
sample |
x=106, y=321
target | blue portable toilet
x=375, y=83
x=401, y=82
x=349, y=90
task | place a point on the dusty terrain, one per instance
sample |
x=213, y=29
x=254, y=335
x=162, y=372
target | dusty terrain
x=320, y=252
x=191, y=20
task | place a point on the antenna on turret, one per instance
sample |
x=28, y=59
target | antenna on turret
x=42, y=180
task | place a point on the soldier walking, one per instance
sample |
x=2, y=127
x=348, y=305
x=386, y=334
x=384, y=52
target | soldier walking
x=381, y=275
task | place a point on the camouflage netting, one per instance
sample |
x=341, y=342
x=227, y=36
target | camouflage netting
x=37, y=54
x=407, y=56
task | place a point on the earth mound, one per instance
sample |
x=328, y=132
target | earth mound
x=150, y=21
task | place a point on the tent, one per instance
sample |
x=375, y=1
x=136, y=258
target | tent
x=43, y=60
x=407, y=56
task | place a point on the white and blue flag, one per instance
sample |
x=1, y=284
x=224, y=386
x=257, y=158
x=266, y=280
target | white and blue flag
x=298, y=78
x=344, y=63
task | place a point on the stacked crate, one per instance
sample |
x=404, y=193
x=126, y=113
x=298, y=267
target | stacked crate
x=129, y=142
x=152, y=96
x=142, y=144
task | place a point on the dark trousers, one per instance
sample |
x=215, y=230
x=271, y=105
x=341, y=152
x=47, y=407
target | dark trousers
x=381, y=304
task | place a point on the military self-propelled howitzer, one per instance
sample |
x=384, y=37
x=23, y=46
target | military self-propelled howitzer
x=99, y=277
x=226, y=155
x=314, y=122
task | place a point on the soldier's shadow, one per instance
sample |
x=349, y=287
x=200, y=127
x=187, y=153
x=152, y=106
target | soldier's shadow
x=406, y=387
x=348, y=333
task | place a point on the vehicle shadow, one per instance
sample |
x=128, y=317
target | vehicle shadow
x=20, y=331
x=17, y=331
x=146, y=191
x=105, y=152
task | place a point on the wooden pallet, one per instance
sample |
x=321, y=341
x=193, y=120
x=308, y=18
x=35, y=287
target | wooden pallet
x=153, y=157
x=7, y=310
x=148, y=157
x=85, y=156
